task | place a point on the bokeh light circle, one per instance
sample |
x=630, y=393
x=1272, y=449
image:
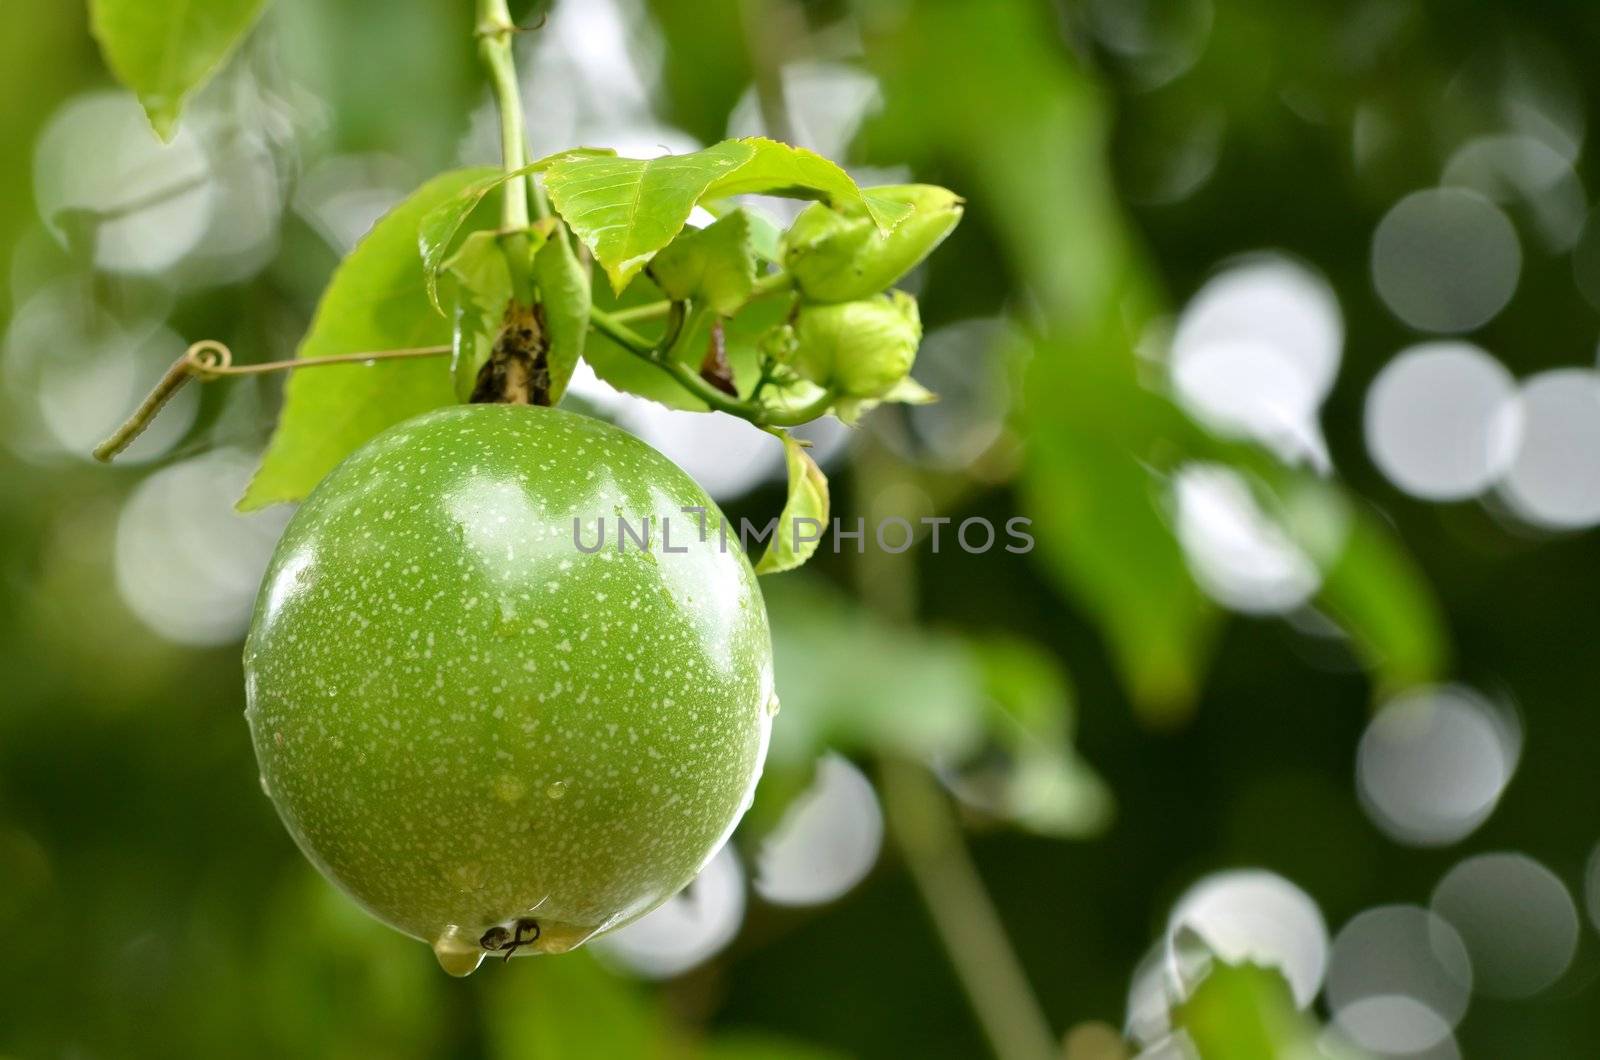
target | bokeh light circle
x=1445, y=260
x=97, y=156
x=1516, y=918
x=1399, y=979
x=687, y=929
x=1255, y=916
x=1239, y=555
x=187, y=565
x=1553, y=480
x=827, y=841
x=72, y=371
x=1441, y=420
x=1433, y=764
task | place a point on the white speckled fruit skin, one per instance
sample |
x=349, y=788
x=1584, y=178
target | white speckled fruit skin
x=462, y=719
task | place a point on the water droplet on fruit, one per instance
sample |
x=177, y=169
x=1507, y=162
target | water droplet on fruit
x=458, y=955
x=773, y=706
x=266, y=789
x=556, y=789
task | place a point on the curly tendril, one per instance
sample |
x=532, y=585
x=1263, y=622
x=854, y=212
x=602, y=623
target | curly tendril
x=210, y=359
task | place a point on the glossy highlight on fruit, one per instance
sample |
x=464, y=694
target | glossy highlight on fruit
x=490, y=738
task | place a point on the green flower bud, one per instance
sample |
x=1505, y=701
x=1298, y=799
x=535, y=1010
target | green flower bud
x=842, y=256
x=858, y=349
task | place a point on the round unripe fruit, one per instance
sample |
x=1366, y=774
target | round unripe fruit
x=469, y=722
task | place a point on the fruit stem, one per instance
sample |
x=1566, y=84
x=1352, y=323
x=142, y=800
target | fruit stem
x=495, y=30
x=608, y=325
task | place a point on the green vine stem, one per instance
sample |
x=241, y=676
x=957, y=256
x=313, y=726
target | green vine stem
x=618, y=332
x=923, y=823
x=929, y=837
x=495, y=30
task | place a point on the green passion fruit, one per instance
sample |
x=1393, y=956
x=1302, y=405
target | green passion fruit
x=492, y=734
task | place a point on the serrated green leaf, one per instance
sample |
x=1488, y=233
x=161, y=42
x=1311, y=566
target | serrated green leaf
x=766, y=238
x=626, y=209
x=805, y=512
x=777, y=169
x=438, y=229
x=166, y=49
x=377, y=300
x=715, y=264
x=563, y=290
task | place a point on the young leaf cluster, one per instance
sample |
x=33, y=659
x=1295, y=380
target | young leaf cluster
x=777, y=328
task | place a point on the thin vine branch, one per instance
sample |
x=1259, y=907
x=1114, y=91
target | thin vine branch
x=618, y=332
x=929, y=837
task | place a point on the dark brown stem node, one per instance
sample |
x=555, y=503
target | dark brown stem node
x=715, y=368
x=518, y=369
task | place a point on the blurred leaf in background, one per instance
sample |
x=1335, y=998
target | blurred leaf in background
x=1117, y=161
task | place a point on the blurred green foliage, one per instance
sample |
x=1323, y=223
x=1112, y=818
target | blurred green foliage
x=153, y=906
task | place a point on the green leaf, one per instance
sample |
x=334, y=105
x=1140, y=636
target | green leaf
x=1246, y=1012
x=166, y=49
x=766, y=238
x=906, y=392
x=852, y=682
x=573, y=1008
x=794, y=172
x=480, y=279
x=626, y=209
x=377, y=300
x=1041, y=784
x=1093, y=431
x=910, y=392
x=1370, y=586
x=1374, y=590
x=576, y=1008
x=440, y=225
x=745, y=1045
x=804, y=513
x=715, y=264
x=563, y=283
